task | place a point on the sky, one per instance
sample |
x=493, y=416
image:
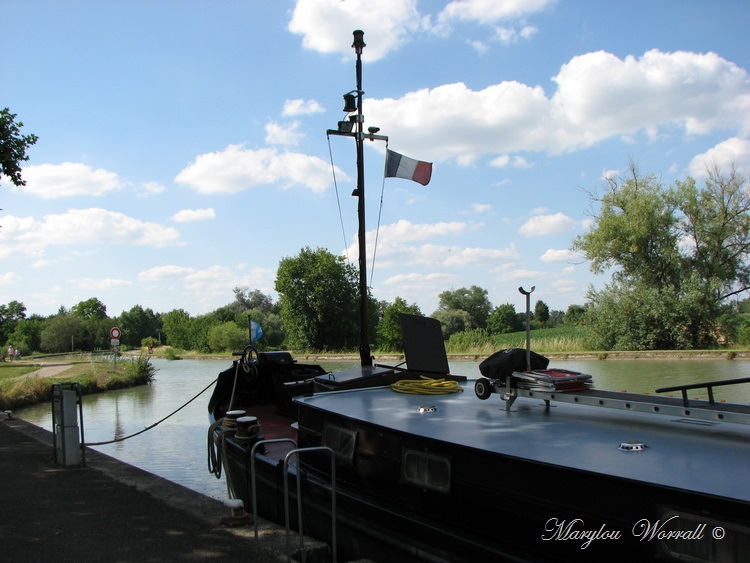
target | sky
x=183, y=150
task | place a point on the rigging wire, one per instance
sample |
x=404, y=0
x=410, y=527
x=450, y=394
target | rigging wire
x=338, y=199
x=380, y=213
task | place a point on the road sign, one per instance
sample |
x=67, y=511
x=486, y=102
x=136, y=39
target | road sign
x=115, y=333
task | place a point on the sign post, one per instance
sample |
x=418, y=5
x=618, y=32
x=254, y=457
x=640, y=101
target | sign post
x=114, y=335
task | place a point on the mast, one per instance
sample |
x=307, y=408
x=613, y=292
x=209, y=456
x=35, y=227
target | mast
x=364, y=336
x=354, y=127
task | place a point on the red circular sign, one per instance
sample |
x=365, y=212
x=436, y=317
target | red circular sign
x=115, y=333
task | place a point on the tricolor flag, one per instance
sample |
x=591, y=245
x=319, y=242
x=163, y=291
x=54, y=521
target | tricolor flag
x=400, y=166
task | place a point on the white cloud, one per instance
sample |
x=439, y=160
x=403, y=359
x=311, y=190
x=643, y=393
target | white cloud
x=480, y=207
x=734, y=151
x=697, y=92
x=189, y=215
x=559, y=255
x=153, y=188
x=326, y=25
x=283, y=134
x=508, y=35
x=8, y=278
x=102, y=284
x=30, y=237
x=541, y=225
x=301, y=107
x=236, y=169
x=165, y=272
x=491, y=11
x=55, y=181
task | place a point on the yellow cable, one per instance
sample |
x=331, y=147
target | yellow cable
x=426, y=386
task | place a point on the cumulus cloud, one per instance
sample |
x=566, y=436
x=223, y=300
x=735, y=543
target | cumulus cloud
x=189, y=215
x=559, y=255
x=326, y=25
x=236, y=169
x=31, y=237
x=734, y=151
x=541, y=225
x=165, y=272
x=55, y=181
x=692, y=91
x=409, y=243
x=301, y=107
x=283, y=134
x=102, y=284
x=491, y=11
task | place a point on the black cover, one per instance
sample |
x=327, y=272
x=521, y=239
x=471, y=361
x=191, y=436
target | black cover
x=503, y=363
x=424, y=347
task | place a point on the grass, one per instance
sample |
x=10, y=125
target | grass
x=21, y=385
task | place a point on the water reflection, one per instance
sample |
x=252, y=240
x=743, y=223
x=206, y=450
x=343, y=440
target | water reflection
x=176, y=448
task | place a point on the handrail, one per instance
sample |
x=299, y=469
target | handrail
x=299, y=500
x=708, y=385
x=252, y=475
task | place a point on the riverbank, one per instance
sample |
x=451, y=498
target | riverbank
x=24, y=383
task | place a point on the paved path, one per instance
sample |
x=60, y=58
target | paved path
x=110, y=511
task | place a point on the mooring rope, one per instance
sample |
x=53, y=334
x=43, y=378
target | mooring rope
x=123, y=438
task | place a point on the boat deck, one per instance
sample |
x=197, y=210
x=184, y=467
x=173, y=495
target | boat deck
x=679, y=451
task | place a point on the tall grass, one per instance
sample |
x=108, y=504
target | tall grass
x=543, y=340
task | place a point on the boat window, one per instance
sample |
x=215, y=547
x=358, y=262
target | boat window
x=342, y=441
x=425, y=470
x=701, y=538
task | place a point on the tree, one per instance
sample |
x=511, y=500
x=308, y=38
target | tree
x=62, y=333
x=138, y=323
x=390, y=337
x=93, y=313
x=504, y=319
x=453, y=321
x=676, y=256
x=319, y=300
x=473, y=300
x=178, y=328
x=541, y=312
x=13, y=147
x=10, y=315
x=27, y=337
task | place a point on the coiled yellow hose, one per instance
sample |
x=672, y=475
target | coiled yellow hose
x=426, y=386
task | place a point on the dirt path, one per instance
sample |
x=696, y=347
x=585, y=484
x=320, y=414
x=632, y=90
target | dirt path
x=50, y=370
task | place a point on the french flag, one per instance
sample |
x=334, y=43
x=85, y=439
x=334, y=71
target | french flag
x=400, y=166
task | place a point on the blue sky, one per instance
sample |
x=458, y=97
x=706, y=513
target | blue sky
x=182, y=144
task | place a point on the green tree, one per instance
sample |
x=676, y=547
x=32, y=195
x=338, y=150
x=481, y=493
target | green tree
x=676, y=256
x=504, y=319
x=62, y=333
x=473, y=300
x=10, y=315
x=389, y=333
x=453, y=321
x=27, y=337
x=319, y=300
x=138, y=323
x=178, y=328
x=93, y=313
x=13, y=147
x=541, y=312
x=227, y=337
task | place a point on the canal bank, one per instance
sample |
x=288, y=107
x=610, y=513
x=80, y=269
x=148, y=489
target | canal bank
x=109, y=510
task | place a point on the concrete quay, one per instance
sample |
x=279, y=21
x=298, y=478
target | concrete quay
x=111, y=511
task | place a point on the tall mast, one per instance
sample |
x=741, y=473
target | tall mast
x=364, y=335
x=354, y=127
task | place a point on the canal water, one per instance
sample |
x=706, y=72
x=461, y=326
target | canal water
x=176, y=449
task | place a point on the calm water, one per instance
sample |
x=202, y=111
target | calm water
x=176, y=448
